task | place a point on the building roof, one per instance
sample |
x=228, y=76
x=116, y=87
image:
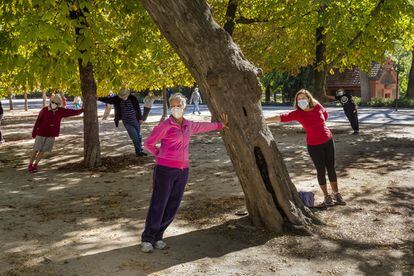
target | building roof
x=350, y=77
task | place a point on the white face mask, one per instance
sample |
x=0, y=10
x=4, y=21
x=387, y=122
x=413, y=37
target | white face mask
x=303, y=103
x=177, y=112
x=53, y=106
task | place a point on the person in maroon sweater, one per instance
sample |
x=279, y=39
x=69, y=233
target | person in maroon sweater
x=46, y=128
x=312, y=116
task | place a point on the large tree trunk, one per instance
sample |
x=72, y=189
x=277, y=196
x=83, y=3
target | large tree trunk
x=320, y=70
x=43, y=99
x=26, y=104
x=164, y=104
x=230, y=84
x=410, y=87
x=365, y=88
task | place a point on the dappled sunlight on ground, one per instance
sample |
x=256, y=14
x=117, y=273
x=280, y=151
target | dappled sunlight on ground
x=68, y=220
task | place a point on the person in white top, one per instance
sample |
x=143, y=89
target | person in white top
x=77, y=102
x=196, y=99
x=148, y=102
x=108, y=107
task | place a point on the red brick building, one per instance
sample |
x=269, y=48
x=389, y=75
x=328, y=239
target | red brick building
x=379, y=82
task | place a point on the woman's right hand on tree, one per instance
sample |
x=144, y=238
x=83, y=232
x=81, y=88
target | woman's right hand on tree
x=224, y=119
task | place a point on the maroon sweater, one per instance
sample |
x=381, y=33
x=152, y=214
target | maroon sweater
x=48, y=121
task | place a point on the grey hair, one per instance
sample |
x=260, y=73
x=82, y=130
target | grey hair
x=180, y=97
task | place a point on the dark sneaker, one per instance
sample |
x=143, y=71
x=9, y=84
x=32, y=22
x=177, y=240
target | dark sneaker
x=338, y=199
x=356, y=132
x=34, y=168
x=30, y=168
x=328, y=202
x=140, y=154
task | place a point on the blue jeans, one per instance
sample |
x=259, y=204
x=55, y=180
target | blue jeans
x=196, y=107
x=134, y=132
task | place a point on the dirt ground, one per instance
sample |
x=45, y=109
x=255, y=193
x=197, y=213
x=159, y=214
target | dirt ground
x=65, y=220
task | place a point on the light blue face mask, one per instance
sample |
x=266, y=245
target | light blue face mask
x=303, y=103
x=177, y=112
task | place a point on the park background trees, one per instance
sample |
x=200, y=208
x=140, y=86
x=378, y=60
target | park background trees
x=91, y=47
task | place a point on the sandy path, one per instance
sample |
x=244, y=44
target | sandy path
x=67, y=221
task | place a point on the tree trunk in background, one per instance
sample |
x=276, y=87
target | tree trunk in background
x=231, y=85
x=365, y=89
x=11, y=101
x=92, y=148
x=26, y=104
x=164, y=104
x=319, y=67
x=231, y=16
x=410, y=87
x=43, y=98
x=91, y=144
x=267, y=94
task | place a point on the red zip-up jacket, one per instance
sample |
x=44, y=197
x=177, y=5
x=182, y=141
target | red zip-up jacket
x=313, y=122
x=48, y=121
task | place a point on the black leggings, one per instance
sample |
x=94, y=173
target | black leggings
x=323, y=156
x=352, y=116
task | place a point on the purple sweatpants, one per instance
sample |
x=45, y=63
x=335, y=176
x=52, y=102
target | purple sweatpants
x=168, y=189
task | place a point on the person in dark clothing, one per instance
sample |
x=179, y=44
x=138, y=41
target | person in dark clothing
x=1, y=117
x=169, y=94
x=349, y=107
x=128, y=110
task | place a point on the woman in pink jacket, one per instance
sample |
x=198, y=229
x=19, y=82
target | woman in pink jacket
x=171, y=170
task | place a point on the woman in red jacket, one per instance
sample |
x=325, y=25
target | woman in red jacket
x=47, y=127
x=312, y=116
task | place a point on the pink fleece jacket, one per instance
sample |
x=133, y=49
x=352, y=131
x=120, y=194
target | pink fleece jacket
x=175, y=140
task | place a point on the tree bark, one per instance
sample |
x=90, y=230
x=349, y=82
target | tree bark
x=91, y=144
x=43, y=98
x=26, y=104
x=164, y=104
x=267, y=94
x=365, y=89
x=320, y=66
x=11, y=101
x=230, y=84
x=230, y=16
x=410, y=87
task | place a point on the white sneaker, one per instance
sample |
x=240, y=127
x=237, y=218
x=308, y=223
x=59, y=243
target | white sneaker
x=147, y=247
x=160, y=244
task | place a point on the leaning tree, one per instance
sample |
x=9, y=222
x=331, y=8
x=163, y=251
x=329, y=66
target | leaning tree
x=230, y=83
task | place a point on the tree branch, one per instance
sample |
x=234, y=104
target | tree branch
x=353, y=41
x=230, y=16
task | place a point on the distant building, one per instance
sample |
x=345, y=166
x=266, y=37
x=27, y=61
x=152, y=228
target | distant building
x=379, y=82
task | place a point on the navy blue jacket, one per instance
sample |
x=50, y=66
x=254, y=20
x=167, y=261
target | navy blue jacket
x=116, y=101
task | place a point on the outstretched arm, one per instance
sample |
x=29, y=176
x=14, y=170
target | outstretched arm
x=284, y=118
x=71, y=112
x=274, y=119
x=201, y=127
x=108, y=100
x=329, y=96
